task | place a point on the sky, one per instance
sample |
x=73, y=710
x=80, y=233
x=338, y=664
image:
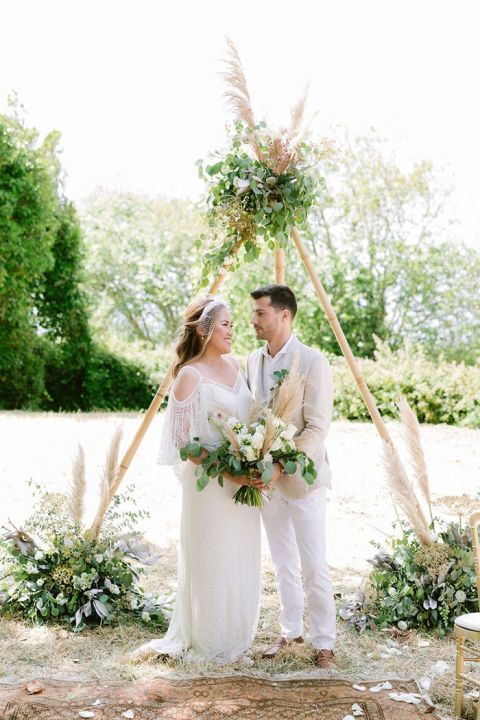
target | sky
x=134, y=85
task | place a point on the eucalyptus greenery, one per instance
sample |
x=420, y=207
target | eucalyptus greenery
x=250, y=200
x=219, y=461
x=53, y=572
x=422, y=587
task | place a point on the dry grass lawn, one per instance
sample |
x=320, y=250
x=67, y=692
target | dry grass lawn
x=41, y=447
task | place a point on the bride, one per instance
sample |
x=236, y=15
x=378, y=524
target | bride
x=217, y=605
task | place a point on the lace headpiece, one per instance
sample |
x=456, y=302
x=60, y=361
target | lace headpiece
x=209, y=312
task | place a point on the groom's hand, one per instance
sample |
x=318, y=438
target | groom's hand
x=258, y=483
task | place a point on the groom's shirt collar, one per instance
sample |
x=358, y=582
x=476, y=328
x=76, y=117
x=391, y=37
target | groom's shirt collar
x=282, y=350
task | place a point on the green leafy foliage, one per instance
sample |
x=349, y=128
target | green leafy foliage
x=249, y=200
x=387, y=250
x=424, y=587
x=28, y=224
x=48, y=359
x=437, y=390
x=64, y=576
x=380, y=237
x=215, y=463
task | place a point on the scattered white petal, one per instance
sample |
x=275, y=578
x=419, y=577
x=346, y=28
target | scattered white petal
x=394, y=651
x=357, y=710
x=411, y=698
x=425, y=683
x=428, y=700
x=128, y=714
x=441, y=667
x=247, y=661
x=384, y=656
x=86, y=714
x=37, y=686
x=362, y=688
x=97, y=702
x=381, y=686
x=473, y=694
x=348, y=717
x=423, y=643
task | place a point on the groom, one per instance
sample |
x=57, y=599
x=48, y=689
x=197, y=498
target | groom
x=294, y=519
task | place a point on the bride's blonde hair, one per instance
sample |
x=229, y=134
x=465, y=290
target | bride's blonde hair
x=196, y=331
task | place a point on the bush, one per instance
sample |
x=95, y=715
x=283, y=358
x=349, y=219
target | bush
x=90, y=378
x=439, y=392
x=112, y=383
x=423, y=587
x=22, y=381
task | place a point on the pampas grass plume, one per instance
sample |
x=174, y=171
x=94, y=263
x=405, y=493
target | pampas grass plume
x=411, y=435
x=404, y=493
x=108, y=484
x=237, y=94
x=77, y=488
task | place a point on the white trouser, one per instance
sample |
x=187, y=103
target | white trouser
x=296, y=536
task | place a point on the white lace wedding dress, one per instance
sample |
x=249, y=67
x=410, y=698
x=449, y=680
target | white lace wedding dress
x=217, y=604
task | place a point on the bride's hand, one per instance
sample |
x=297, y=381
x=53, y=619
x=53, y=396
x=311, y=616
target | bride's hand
x=237, y=479
x=258, y=483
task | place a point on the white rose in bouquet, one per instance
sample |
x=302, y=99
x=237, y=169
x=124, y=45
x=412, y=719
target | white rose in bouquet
x=277, y=444
x=289, y=432
x=249, y=453
x=258, y=438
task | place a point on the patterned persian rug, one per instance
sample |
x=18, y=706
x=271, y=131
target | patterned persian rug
x=212, y=699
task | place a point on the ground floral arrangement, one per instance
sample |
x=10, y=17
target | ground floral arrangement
x=57, y=570
x=413, y=586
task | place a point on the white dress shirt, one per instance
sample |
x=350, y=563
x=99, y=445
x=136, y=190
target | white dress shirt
x=272, y=364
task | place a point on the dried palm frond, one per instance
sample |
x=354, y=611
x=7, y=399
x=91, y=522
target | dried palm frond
x=297, y=114
x=219, y=419
x=77, y=488
x=270, y=431
x=287, y=397
x=108, y=484
x=21, y=539
x=257, y=410
x=404, y=494
x=111, y=461
x=238, y=96
x=411, y=435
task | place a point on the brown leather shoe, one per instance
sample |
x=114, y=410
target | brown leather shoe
x=279, y=643
x=324, y=659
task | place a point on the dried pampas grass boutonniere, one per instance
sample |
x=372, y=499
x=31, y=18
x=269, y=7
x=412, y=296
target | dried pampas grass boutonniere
x=287, y=393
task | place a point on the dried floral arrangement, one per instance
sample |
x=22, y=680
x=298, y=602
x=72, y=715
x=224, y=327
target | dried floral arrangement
x=425, y=577
x=263, y=184
x=57, y=570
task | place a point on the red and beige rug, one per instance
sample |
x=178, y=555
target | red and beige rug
x=212, y=699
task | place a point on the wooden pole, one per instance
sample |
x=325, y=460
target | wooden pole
x=342, y=340
x=162, y=390
x=280, y=266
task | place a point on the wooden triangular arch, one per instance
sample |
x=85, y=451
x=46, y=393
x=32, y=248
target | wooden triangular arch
x=241, y=101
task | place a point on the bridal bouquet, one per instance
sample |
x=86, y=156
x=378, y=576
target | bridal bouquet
x=250, y=448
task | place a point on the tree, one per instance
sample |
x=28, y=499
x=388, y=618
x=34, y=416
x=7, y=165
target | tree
x=380, y=237
x=383, y=244
x=28, y=224
x=47, y=356
x=142, y=265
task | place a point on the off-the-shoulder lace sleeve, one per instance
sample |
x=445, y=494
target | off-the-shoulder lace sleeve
x=183, y=421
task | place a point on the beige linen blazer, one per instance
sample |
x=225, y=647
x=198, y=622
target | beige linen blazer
x=313, y=417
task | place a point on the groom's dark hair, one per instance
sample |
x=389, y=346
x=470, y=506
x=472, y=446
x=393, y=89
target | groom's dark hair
x=281, y=297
